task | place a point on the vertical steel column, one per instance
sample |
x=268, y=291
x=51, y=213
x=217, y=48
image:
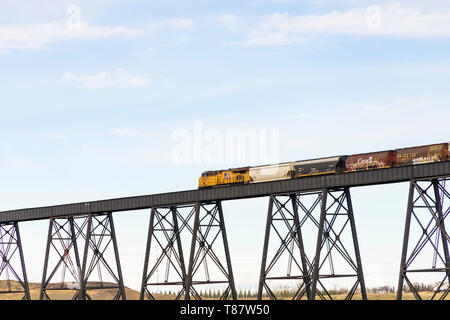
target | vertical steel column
x=316, y=261
x=180, y=247
x=47, y=253
x=441, y=223
x=265, y=248
x=227, y=252
x=402, y=272
x=192, y=253
x=83, y=293
x=22, y=262
x=304, y=259
x=10, y=244
x=359, y=270
x=116, y=255
x=147, y=253
x=76, y=252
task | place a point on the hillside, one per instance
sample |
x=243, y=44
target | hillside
x=104, y=294
x=108, y=294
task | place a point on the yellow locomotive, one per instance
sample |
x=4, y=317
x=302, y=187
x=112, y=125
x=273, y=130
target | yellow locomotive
x=224, y=177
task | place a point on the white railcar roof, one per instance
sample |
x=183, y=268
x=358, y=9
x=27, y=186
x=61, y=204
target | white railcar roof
x=336, y=158
x=317, y=160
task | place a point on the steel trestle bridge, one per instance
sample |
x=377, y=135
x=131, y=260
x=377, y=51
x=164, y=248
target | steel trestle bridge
x=81, y=237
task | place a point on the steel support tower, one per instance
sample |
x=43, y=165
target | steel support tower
x=62, y=243
x=12, y=262
x=334, y=226
x=428, y=207
x=287, y=216
x=206, y=265
x=96, y=232
x=337, y=230
x=164, y=240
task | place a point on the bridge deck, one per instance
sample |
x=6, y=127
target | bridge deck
x=353, y=179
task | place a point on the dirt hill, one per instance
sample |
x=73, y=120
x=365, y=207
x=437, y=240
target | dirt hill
x=108, y=294
x=59, y=293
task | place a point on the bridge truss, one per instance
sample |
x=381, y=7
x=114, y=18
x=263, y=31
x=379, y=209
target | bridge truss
x=310, y=239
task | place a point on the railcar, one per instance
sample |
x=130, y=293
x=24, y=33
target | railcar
x=319, y=166
x=422, y=154
x=369, y=161
x=272, y=172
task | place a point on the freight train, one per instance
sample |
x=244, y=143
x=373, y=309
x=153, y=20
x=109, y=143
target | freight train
x=322, y=166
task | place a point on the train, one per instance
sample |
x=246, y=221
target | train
x=323, y=166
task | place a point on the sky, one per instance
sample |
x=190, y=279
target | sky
x=104, y=99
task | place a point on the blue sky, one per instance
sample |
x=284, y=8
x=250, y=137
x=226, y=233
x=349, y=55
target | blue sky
x=88, y=113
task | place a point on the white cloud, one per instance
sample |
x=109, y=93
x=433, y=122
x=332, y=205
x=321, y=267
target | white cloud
x=391, y=20
x=124, y=132
x=49, y=10
x=26, y=37
x=394, y=20
x=37, y=36
x=230, y=21
x=119, y=78
x=180, y=23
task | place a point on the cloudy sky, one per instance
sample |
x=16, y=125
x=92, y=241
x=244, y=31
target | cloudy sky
x=93, y=94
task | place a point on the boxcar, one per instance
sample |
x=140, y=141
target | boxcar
x=369, y=161
x=319, y=166
x=422, y=154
